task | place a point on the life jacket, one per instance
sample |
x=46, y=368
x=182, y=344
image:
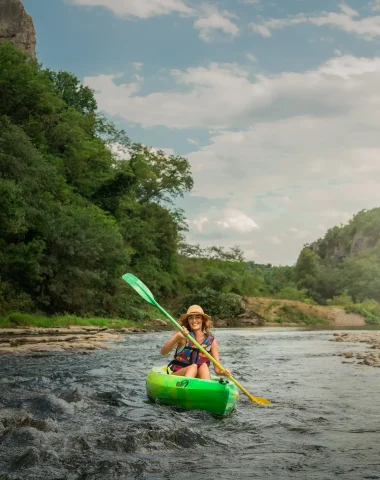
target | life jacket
x=188, y=354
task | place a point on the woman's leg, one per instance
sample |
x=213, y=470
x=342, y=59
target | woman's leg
x=204, y=372
x=190, y=371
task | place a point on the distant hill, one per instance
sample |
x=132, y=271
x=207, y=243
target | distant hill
x=345, y=261
x=361, y=234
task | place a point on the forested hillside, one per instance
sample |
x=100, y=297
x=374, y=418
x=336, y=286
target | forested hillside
x=74, y=217
x=346, y=260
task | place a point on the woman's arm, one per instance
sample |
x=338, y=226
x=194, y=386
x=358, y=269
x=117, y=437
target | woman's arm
x=177, y=339
x=215, y=354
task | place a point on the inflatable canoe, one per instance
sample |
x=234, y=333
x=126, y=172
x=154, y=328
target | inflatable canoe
x=217, y=396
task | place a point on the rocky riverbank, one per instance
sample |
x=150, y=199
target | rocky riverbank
x=37, y=339
x=87, y=338
x=370, y=357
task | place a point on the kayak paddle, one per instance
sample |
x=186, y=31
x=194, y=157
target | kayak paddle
x=147, y=295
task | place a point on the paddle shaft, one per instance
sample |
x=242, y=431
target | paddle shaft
x=211, y=358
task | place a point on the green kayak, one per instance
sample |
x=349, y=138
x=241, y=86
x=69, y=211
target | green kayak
x=217, y=396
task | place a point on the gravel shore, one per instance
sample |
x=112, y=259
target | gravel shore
x=371, y=356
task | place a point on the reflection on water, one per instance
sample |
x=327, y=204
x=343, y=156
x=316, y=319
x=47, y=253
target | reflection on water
x=86, y=416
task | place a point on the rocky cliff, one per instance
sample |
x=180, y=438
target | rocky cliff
x=17, y=27
x=361, y=234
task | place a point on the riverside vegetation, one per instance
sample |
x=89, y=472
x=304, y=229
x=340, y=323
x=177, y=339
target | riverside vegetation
x=81, y=204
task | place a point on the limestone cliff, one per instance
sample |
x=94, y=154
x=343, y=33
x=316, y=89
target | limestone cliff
x=17, y=27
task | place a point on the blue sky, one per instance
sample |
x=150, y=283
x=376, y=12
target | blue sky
x=276, y=105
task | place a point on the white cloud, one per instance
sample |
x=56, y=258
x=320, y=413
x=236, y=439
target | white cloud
x=208, y=18
x=199, y=223
x=139, y=8
x=261, y=29
x=375, y=5
x=251, y=57
x=238, y=221
x=229, y=219
x=346, y=20
x=212, y=97
x=275, y=240
x=137, y=66
x=250, y=2
x=350, y=12
x=212, y=19
x=103, y=83
x=226, y=95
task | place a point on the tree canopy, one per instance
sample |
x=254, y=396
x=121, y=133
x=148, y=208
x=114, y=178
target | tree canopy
x=74, y=217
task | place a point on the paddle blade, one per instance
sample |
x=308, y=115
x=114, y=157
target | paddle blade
x=262, y=401
x=140, y=288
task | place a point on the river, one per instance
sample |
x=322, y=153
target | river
x=78, y=416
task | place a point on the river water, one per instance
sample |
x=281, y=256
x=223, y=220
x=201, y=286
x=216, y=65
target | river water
x=79, y=416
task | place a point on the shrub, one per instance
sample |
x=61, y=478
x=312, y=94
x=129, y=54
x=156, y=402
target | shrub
x=369, y=309
x=293, y=314
x=343, y=300
x=292, y=293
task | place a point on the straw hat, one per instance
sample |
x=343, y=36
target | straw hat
x=194, y=310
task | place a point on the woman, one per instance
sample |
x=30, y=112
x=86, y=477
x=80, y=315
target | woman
x=188, y=360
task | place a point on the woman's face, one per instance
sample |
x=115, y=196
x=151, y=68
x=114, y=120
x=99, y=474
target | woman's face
x=195, y=322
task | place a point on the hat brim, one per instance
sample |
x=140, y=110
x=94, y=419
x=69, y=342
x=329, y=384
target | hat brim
x=186, y=315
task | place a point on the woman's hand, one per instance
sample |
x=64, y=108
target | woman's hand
x=226, y=372
x=177, y=338
x=182, y=335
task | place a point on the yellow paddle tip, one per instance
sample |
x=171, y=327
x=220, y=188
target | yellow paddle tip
x=262, y=401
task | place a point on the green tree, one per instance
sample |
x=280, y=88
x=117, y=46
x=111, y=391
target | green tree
x=151, y=235
x=160, y=177
x=83, y=261
x=72, y=92
x=217, y=304
x=56, y=246
x=361, y=275
x=307, y=264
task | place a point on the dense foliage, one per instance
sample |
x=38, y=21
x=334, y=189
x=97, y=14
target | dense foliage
x=73, y=218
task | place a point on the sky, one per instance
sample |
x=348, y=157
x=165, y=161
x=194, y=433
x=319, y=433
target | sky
x=276, y=105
